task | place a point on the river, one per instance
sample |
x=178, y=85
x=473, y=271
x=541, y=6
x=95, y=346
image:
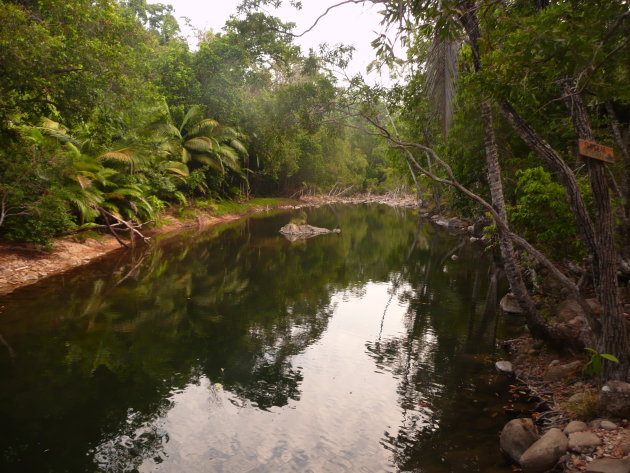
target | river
x=234, y=350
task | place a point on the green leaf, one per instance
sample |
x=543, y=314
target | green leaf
x=609, y=357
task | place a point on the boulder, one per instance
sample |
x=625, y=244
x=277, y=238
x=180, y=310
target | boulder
x=609, y=465
x=510, y=305
x=516, y=437
x=607, y=425
x=614, y=399
x=545, y=453
x=568, y=309
x=504, y=367
x=293, y=231
x=558, y=372
x=575, y=426
x=581, y=441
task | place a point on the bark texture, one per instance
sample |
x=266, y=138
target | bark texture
x=614, y=339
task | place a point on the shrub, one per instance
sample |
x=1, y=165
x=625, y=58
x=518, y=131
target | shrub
x=542, y=214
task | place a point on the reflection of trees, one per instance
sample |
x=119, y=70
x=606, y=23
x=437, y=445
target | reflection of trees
x=233, y=306
x=439, y=358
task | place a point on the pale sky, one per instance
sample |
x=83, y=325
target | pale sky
x=349, y=24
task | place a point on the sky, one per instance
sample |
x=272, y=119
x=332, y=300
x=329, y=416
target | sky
x=351, y=24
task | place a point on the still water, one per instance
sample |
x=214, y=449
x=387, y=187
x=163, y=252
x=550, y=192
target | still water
x=233, y=350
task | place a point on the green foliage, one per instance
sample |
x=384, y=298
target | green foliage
x=542, y=214
x=48, y=217
x=594, y=365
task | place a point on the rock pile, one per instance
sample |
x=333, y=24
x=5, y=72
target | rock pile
x=601, y=446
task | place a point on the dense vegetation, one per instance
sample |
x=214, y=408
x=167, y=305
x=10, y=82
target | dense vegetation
x=107, y=115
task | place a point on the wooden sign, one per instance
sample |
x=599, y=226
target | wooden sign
x=597, y=151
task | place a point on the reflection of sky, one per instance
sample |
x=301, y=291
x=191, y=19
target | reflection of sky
x=346, y=406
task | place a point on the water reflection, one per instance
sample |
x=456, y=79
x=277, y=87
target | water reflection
x=236, y=350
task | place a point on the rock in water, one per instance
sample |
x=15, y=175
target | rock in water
x=294, y=231
x=516, y=437
x=545, y=452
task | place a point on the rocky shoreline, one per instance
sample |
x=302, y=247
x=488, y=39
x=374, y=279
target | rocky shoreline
x=576, y=426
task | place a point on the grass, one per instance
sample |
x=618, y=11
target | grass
x=230, y=207
x=226, y=207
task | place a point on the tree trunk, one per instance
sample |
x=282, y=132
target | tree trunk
x=622, y=144
x=614, y=339
x=564, y=174
x=536, y=323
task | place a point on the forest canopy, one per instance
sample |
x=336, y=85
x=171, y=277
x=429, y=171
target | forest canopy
x=107, y=113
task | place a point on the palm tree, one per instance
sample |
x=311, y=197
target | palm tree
x=190, y=137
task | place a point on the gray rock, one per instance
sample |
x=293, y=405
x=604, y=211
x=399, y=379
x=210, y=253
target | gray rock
x=609, y=465
x=575, y=426
x=558, y=372
x=614, y=399
x=607, y=425
x=568, y=309
x=504, y=367
x=293, y=231
x=595, y=423
x=510, y=305
x=545, y=452
x=580, y=441
x=516, y=437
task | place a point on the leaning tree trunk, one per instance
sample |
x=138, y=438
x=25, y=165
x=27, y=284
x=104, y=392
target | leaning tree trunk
x=536, y=323
x=613, y=339
x=564, y=174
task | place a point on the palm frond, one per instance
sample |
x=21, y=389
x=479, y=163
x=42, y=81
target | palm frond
x=200, y=144
x=229, y=157
x=238, y=146
x=194, y=114
x=204, y=126
x=211, y=160
x=175, y=168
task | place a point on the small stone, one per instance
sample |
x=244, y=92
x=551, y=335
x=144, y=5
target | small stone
x=595, y=423
x=614, y=399
x=545, y=453
x=554, y=363
x=558, y=372
x=510, y=305
x=609, y=465
x=607, y=425
x=575, y=426
x=504, y=367
x=580, y=441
